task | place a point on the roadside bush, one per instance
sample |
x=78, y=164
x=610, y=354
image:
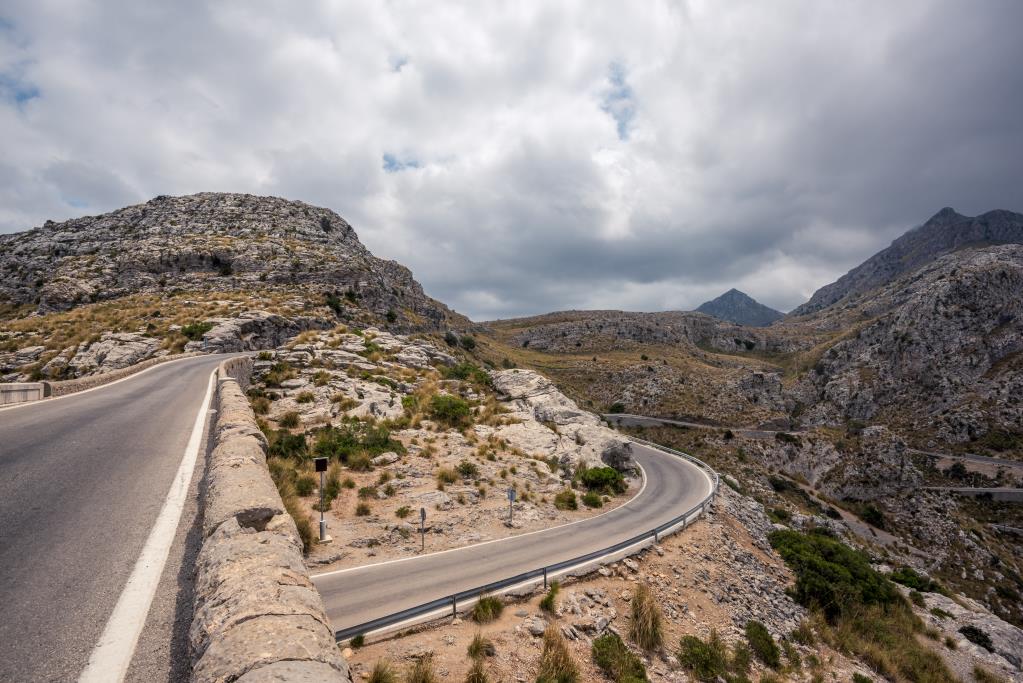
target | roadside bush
x=549, y=602
x=360, y=462
x=450, y=410
x=284, y=444
x=382, y=673
x=592, y=499
x=616, y=408
x=362, y=510
x=477, y=672
x=566, y=500
x=303, y=522
x=480, y=646
x=367, y=492
x=352, y=437
x=762, y=644
x=261, y=405
x=603, y=479
x=616, y=660
x=289, y=420
x=422, y=671
x=305, y=484
x=831, y=576
x=706, y=661
x=487, y=609
x=556, y=663
x=645, y=626
x=446, y=475
x=403, y=512
x=195, y=331
x=467, y=371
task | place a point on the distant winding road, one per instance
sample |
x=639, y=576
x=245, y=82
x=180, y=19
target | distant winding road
x=357, y=595
x=82, y=480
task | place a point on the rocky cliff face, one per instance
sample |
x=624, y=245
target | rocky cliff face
x=946, y=231
x=741, y=309
x=209, y=242
x=941, y=352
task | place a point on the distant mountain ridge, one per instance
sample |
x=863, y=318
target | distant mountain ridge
x=740, y=308
x=946, y=231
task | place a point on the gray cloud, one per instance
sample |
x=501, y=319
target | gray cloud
x=529, y=157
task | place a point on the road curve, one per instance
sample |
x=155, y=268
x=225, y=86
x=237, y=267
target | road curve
x=356, y=596
x=82, y=480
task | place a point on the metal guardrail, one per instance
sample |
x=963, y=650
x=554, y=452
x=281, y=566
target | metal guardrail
x=544, y=572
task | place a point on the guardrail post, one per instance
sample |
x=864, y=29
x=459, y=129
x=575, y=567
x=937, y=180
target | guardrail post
x=545, y=578
x=656, y=539
x=454, y=607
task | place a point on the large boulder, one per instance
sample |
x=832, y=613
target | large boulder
x=113, y=351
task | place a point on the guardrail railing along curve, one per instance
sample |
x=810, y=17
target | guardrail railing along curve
x=544, y=572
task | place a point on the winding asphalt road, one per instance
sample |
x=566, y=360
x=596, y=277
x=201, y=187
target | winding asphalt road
x=357, y=595
x=82, y=480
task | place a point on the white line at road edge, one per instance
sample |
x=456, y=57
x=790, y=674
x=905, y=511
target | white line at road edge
x=115, y=649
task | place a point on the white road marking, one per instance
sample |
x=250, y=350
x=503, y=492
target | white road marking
x=113, y=653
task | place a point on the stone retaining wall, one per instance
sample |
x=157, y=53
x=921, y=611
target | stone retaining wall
x=257, y=617
x=71, y=386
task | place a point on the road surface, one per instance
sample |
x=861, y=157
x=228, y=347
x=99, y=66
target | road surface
x=355, y=596
x=82, y=480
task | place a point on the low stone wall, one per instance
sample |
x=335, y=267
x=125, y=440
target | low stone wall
x=20, y=392
x=257, y=617
x=71, y=386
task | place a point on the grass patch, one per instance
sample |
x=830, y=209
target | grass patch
x=645, y=626
x=762, y=644
x=480, y=646
x=556, y=663
x=566, y=500
x=592, y=499
x=549, y=602
x=706, y=661
x=290, y=420
x=616, y=660
x=487, y=609
x=477, y=672
x=382, y=673
x=422, y=671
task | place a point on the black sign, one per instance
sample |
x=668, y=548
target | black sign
x=321, y=464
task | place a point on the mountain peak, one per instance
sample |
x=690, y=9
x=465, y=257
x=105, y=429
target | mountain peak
x=740, y=308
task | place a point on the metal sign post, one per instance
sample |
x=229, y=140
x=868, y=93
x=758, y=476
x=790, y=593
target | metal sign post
x=321, y=467
x=422, y=528
x=511, y=501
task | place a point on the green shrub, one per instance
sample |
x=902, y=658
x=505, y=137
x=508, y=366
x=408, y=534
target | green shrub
x=704, y=660
x=261, y=405
x=195, y=331
x=592, y=499
x=909, y=578
x=284, y=444
x=917, y=598
x=450, y=410
x=603, y=479
x=352, y=437
x=556, y=663
x=367, y=492
x=468, y=470
x=477, y=672
x=616, y=660
x=468, y=342
x=403, y=512
x=360, y=462
x=860, y=678
x=467, y=371
x=831, y=576
x=872, y=516
x=762, y=644
x=645, y=627
x=616, y=408
x=566, y=500
x=362, y=510
x=549, y=601
x=487, y=609
x=450, y=338
x=305, y=484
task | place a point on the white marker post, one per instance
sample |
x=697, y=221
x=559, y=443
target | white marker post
x=511, y=501
x=321, y=467
x=422, y=528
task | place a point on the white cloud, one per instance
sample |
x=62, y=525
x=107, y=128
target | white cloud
x=525, y=157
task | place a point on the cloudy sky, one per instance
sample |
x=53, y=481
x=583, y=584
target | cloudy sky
x=528, y=157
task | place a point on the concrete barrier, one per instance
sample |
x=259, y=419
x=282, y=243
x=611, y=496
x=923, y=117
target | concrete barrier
x=257, y=615
x=19, y=392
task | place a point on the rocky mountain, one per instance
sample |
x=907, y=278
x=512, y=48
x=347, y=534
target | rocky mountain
x=740, y=308
x=946, y=231
x=208, y=243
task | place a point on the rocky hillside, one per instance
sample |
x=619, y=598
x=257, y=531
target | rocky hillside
x=208, y=242
x=946, y=231
x=741, y=309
